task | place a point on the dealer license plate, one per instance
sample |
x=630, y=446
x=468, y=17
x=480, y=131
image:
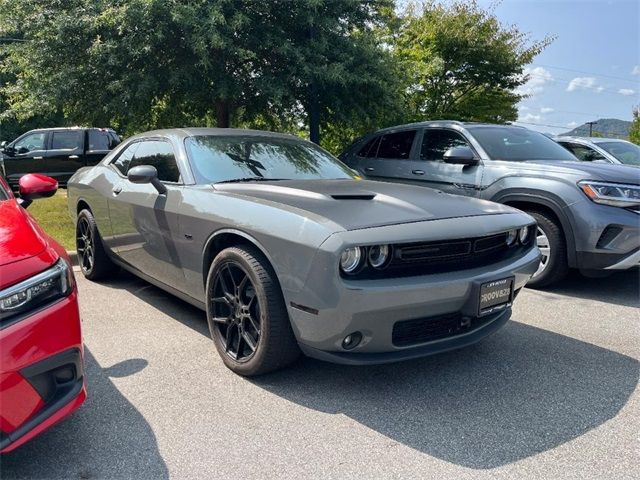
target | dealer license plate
x=495, y=295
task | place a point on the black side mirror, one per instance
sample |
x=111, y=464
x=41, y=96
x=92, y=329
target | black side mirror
x=146, y=174
x=460, y=156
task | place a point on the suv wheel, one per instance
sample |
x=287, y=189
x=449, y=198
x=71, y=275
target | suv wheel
x=553, y=265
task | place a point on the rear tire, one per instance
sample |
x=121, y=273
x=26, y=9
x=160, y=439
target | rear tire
x=554, y=265
x=246, y=312
x=93, y=260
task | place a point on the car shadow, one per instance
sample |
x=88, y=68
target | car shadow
x=106, y=438
x=518, y=393
x=620, y=288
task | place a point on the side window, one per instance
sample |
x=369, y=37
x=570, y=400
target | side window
x=32, y=142
x=160, y=155
x=436, y=142
x=99, y=140
x=583, y=152
x=396, y=145
x=67, y=140
x=124, y=159
x=370, y=149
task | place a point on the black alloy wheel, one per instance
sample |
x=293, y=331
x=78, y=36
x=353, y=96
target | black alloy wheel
x=236, y=312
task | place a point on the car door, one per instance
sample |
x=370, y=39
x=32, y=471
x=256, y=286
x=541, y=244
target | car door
x=388, y=156
x=145, y=222
x=100, y=141
x=65, y=154
x=428, y=168
x=25, y=155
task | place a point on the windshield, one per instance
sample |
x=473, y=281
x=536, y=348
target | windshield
x=518, y=144
x=625, y=152
x=223, y=159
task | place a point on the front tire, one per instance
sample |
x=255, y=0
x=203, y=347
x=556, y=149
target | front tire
x=554, y=265
x=94, y=262
x=246, y=312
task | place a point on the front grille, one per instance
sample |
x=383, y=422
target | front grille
x=437, y=257
x=421, y=330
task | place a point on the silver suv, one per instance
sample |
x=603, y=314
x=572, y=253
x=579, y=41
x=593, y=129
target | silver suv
x=604, y=150
x=588, y=213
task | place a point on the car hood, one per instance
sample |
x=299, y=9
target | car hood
x=590, y=171
x=20, y=236
x=355, y=204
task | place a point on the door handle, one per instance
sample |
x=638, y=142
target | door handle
x=369, y=169
x=38, y=158
x=74, y=157
x=116, y=190
x=417, y=172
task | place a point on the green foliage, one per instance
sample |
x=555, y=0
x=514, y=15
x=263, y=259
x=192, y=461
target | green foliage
x=350, y=66
x=461, y=63
x=634, y=131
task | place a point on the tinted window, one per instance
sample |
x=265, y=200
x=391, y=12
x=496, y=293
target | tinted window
x=583, y=153
x=34, y=141
x=68, y=140
x=158, y=154
x=396, y=145
x=124, y=159
x=436, y=142
x=370, y=149
x=516, y=143
x=101, y=140
x=624, y=151
x=217, y=159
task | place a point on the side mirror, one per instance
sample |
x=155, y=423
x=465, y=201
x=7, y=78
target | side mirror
x=146, y=174
x=3, y=144
x=460, y=156
x=36, y=185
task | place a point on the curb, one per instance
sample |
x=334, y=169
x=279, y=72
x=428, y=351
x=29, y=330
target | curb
x=73, y=256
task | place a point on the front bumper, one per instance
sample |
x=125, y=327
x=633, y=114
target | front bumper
x=41, y=371
x=373, y=307
x=607, y=238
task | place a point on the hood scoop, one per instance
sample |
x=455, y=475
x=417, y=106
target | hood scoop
x=353, y=196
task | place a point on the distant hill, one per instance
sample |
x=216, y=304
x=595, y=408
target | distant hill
x=606, y=127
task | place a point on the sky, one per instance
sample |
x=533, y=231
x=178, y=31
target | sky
x=592, y=68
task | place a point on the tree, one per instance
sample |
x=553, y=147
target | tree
x=634, y=130
x=139, y=64
x=461, y=63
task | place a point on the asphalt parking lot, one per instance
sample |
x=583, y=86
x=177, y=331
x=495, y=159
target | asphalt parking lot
x=552, y=395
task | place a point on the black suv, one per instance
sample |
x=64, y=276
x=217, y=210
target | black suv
x=56, y=152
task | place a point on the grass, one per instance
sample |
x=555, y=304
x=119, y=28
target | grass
x=52, y=215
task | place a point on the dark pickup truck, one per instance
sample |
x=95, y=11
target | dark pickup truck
x=56, y=152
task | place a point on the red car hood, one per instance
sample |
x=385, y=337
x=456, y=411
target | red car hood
x=24, y=247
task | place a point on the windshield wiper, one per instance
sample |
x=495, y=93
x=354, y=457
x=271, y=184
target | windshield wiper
x=251, y=179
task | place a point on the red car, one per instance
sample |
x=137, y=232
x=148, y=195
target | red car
x=41, y=355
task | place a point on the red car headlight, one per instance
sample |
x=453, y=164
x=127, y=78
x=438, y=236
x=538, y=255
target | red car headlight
x=43, y=288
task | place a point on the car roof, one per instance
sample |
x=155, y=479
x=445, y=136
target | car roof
x=447, y=123
x=221, y=132
x=590, y=139
x=69, y=128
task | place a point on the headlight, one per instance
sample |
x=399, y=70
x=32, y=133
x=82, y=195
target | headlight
x=57, y=282
x=511, y=236
x=351, y=259
x=378, y=255
x=523, y=235
x=613, y=194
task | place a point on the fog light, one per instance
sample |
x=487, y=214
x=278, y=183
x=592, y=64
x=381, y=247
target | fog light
x=511, y=237
x=352, y=340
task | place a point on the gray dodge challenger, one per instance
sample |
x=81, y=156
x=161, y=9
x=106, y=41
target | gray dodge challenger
x=288, y=251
